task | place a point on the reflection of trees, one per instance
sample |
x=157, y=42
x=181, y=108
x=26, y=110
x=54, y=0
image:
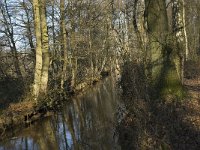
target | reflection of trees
x=97, y=109
x=68, y=124
x=51, y=140
x=78, y=109
x=40, y=136
x=64, y=134
x=23, y=143
x=88, y=118
x=45, y=136
x=86, y=122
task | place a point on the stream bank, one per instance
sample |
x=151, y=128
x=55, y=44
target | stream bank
x=80, y=124
x=25, y=112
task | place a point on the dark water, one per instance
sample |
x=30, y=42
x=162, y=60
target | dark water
x=86, y=123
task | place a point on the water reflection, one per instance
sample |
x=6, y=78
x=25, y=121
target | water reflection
x=87, y=122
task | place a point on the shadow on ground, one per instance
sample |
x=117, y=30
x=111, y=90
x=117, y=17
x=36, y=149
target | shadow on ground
x=170, y=126
x=159, y=124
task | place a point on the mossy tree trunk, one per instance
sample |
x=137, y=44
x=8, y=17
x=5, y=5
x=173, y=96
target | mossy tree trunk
x=165, y=79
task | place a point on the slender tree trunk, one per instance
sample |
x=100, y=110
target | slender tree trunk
x=16, y=61
x=54, y=47
x=53, y=24
x=185, y=31
x=178, y=28
x=38, y=62
x=135, y=23
x=74, y=72
x=45, y=49
x=28, y=27
x=63, y=42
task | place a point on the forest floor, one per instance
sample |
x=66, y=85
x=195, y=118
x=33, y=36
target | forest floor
x=163, y=125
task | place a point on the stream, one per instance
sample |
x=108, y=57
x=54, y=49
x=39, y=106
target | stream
x=87, y=122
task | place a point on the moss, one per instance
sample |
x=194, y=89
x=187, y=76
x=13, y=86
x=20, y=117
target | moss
x=172, y=86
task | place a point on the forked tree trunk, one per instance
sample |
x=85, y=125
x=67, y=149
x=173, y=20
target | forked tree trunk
x=42, y=49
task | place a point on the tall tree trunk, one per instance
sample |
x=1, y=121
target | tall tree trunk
x=185, y=31
x=53, y=24
x=38, y=62
x=157, y=32
x=45, y=49
x=178, y=28
x=164, y=77
x=135, y=24
x=63, y=42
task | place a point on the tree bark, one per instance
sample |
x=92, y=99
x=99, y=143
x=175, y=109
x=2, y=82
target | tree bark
x=63, y=42
x=38, y=57
x=164, y=77
x=185, y=31
x=45, y=49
